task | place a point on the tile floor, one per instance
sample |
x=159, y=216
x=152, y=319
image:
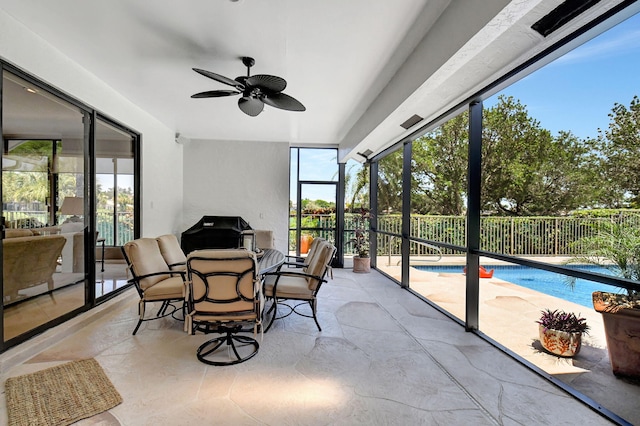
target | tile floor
x=384, y=357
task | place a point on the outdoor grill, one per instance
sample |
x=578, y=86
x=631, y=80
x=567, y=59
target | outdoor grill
x=214, y=232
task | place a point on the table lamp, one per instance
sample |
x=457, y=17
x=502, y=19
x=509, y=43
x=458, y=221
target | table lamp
x=74, y=207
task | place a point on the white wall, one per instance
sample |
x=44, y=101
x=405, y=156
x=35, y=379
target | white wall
x=244, y=179
x=161, y=156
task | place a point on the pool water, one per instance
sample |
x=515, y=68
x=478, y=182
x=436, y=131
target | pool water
x=543, y=281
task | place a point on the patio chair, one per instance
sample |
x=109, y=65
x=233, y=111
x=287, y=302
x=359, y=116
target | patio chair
x=172, y=252
x=292, y=261
x=153, y=279
x=264, y=239
x=299, y=285
x=224, y=295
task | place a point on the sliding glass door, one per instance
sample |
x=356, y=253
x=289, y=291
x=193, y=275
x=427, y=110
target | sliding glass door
x=115, y=203
x=70, y=199
x=44, y=212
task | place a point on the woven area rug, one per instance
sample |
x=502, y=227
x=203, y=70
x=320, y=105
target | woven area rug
x=60, y=395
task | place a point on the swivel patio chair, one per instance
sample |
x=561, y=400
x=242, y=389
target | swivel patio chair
x=300, y=285
x=172, y=252
x=224, y=295
x=153, y=279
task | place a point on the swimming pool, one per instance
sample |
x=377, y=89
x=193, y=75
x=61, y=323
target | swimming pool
x=543, y=281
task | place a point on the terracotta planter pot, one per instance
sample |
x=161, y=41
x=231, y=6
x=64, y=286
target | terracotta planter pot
x=622, y=329
x=361, y=265
x=560, y=343
x=305, y=243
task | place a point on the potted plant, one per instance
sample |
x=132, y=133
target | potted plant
x=561, y=332
x=361, y=261
x=616, y=247
x=305, y=243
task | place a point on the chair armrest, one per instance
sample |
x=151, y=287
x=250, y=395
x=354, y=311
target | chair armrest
x=295, y=274
x=153, y=274
x=296, y=258
x=296, y=264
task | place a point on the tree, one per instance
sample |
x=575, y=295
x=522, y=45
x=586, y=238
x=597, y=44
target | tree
x=439, y=169
x=525, y=170
x=357, y=187
x=619, y=148
x=390, y=183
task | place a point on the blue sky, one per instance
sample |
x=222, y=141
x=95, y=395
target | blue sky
x=577, y=91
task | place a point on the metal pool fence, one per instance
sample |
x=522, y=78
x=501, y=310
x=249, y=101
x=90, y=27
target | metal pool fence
x=517, y=236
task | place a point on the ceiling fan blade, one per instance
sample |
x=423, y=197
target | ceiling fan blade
x=220, y=78
x=215, y=94
x=283, y=101
x=269, y=83
x=251, y=106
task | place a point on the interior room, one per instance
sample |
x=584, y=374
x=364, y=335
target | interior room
x=125, y=121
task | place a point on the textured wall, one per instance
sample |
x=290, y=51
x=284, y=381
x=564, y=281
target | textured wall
x=161, y=156
x=234, y=178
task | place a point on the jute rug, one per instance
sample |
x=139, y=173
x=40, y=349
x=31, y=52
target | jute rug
x=60, y=395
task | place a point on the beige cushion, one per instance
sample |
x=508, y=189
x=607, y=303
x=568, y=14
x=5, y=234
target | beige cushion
x=264, y=239
x=145, y=257
x=170, y=288
x=319, y=264
x=29, y=261
x=14, y=233
x=313, y=249
x=300, y=286
x=289, y=286
x=223, y=288
x=172, y=252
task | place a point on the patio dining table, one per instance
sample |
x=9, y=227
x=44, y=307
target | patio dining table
x=269, y=261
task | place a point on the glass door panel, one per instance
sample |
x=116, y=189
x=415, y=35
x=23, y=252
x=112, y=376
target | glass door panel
x=318, y=214
x=313, y=197
x=114, y=204
x=44, y=221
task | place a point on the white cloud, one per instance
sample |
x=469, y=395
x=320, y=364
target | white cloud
x=603, y=47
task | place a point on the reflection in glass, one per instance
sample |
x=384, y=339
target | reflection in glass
x=43, y=243
x=114, y=204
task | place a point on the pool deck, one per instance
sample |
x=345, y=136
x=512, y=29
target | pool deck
x=507, y=315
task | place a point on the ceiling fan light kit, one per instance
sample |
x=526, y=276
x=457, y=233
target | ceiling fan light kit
x=256, y=90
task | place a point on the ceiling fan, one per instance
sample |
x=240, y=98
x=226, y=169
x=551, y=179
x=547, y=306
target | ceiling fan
x=256, y=90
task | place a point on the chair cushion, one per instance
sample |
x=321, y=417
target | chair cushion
x=172, y=252
x=292, y=287
x=201, y=317
x=264, y=239
x=168, y=288
x=146, y=258
x=13, y=233
x=319, y=263
x=313, y=251
x=213, y=275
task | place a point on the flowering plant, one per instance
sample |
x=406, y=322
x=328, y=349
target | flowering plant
x=563, y=321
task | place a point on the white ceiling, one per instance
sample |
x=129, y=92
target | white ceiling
x=361, y=67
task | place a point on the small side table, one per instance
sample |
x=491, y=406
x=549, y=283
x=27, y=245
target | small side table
x=100, y=240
